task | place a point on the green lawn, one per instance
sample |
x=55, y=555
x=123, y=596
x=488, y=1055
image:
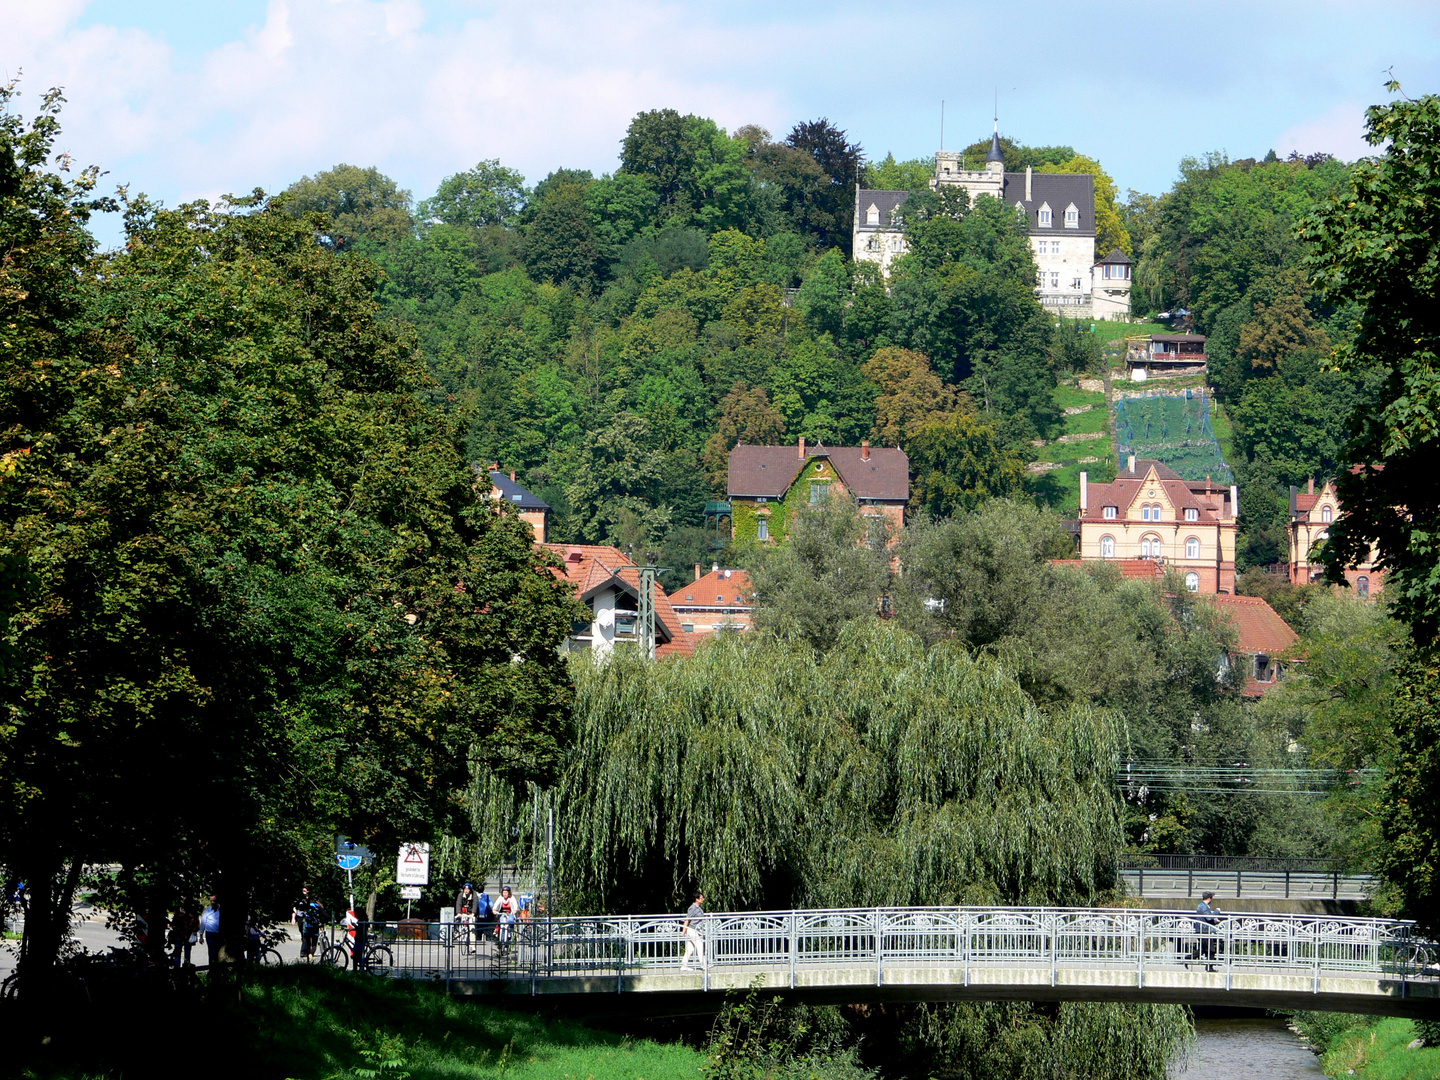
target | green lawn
x=1378, y=1051
x=1113, y=331
x=1224, y=430
x=1061, y=487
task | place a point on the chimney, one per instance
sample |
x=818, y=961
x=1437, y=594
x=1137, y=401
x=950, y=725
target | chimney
x=864, y=449
x=1294, y=495
x=1132, y=463
x=1234, y=501
x=697, y=571
x=512, y=475
x=1084, y=493
x=714, y=566
x=802, y=447
x=1028, y=172
x=1310, y=486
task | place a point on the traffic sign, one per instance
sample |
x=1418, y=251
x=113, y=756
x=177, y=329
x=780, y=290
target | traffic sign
x=350, y=855
x=412, y=866
x=410, y=892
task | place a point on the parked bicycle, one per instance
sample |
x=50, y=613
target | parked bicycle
x=376, y=957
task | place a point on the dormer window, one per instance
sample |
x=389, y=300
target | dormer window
x=1045, y=216
x=1072, y=217
x=872, y=215
x=1111, y=512
x=1192, y=514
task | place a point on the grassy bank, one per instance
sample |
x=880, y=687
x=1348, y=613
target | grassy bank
x=1089, y=438
x=310, y=1022
x=1368, y=1047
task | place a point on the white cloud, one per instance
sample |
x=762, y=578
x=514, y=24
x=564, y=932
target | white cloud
x=1340, y=132
x=537, y=85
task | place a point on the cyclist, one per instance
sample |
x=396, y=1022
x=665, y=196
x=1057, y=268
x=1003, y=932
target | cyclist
x=506, y=909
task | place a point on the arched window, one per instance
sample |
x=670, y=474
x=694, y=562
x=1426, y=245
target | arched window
x=1150, y=548
x=1192, y=547
x=1107, y=547
x=1362, y=587
x=1325, y=513
x=1192, y=581
x=1145, y=512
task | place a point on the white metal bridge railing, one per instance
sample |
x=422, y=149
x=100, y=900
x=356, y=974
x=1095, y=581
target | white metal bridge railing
x=960, y=939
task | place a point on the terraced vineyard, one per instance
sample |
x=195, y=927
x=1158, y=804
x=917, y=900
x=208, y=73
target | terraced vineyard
x=1173, y=429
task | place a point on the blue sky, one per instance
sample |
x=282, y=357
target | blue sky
x=185, y=100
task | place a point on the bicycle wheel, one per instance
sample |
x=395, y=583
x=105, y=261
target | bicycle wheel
x=380, y=960
x=336, y=956
x=270, y=957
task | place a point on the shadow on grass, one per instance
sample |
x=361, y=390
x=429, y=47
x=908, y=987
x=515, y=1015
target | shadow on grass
x=312, y=1022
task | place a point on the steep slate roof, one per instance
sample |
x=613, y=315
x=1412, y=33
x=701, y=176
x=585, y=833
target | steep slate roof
x=768, y=471
x=515, y=493
x=731, y=586
x=1122, y=491
x=1116, y=256
x=885, y=201
x=592, y=567
x=1259, y=629
x=1059, y=190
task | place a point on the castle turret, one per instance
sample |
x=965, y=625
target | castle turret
x=995, y=159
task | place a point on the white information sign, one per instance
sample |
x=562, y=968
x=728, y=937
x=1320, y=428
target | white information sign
x=410, y=892
x=413, y=865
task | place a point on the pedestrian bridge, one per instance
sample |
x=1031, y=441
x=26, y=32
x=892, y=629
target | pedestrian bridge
x=942, y=954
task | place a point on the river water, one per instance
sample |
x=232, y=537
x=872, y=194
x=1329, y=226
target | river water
x=1241, y=1049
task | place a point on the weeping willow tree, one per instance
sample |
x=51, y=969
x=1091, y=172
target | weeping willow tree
x=882, y=773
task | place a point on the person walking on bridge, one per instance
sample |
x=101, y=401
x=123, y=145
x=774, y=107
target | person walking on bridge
x=692, y=930
x=1205, y=922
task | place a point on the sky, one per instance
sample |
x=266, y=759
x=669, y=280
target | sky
x=183, y=100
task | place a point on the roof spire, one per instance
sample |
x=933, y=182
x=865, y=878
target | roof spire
x=996, y=154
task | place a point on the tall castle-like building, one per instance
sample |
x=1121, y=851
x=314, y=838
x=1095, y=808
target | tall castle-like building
x=1060, y=214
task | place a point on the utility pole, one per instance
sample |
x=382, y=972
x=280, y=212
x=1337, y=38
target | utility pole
x=645, y=609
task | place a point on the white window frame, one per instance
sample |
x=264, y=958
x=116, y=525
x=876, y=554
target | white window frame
x=1045, y=216
x=1111, y=513
x=1072, y=217
x=1192, y=547
x=1326, y=514
x=1192, y=581
x=1107, y=547
x=1192, y=514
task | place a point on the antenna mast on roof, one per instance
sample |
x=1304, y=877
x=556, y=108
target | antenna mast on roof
x=942, y=123
x=997, y=110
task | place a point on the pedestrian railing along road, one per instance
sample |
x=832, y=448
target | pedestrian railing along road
x=949, y=953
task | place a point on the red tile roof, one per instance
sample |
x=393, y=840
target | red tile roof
x=590, y=567
x=768, y=471
x=717, y=589
x=1136, y=569
x=1259, y=629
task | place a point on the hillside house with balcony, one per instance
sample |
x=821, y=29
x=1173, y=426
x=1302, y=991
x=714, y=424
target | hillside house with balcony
x=1164, y=356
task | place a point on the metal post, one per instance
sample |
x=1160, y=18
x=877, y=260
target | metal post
x=791, y=925
x=1335, y=891
x=1142, y=879
x=645, y=611
x=879, y=942
x=1140, y=953
x=1239, y=877
x=1190, y=879
x=549, y=885
x=1287, y=882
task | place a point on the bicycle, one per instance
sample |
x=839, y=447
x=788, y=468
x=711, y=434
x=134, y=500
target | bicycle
x=377, y=956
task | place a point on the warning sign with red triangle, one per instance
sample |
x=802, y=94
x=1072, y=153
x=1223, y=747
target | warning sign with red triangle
x=413, y=865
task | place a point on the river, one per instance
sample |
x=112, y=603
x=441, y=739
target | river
x=1240, y=1049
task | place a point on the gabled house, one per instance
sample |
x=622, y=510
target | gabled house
x=1311, y=515
x=608, y=583
x=1149, y=512
x=767, y=483
x=533, y=510
x=718, y=601
x=1262, y=636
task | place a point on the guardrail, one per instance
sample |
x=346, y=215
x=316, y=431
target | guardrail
x=604, y=950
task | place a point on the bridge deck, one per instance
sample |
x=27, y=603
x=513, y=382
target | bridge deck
x=935, y=954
